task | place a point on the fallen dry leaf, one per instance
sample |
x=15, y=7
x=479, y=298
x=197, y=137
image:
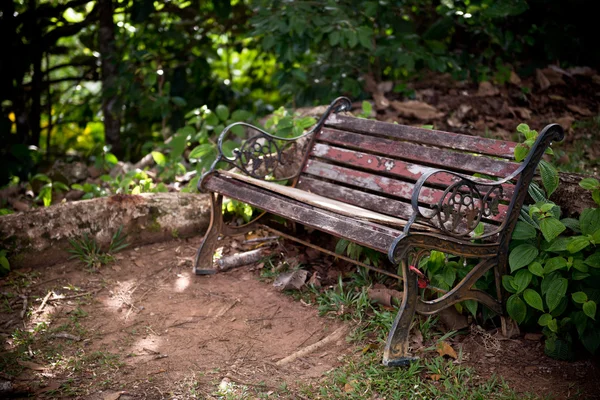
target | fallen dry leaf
x=487, y=89
x=31, y=365
x=580, y=110
x=385, y=86
x=416, y=109
x=584, y=71
x=384, y=296
x=542, y=81
x=113, y=396
x=514, y=78
x=521, y=112
x=381, y=102
x=349, y=386
x=566, y=122
x=445, y=349
x=291, y=280
x=435, y=377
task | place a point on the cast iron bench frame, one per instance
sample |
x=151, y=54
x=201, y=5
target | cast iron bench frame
x=440, y=219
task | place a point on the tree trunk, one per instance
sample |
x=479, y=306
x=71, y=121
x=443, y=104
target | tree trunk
x=109, y=57
x=41, y=237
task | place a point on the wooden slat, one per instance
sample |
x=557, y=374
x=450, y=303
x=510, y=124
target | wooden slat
x=369, y=201
x=325, y=203
x=389, y=166
x=378, y=183
x=375, y=236
x=475, y=144
x=440, y=158
x=366, y=200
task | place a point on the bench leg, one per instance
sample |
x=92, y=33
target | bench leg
x=396, y=348
x=203, y=265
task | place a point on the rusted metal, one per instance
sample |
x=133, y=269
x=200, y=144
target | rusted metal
x=381, y=167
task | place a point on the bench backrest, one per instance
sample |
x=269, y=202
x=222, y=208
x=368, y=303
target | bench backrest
x=375, y=165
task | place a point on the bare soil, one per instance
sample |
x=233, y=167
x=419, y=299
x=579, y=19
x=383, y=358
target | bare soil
x=151, y=329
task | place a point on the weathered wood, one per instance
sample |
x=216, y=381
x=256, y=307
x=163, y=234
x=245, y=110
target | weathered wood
x=40, y=237
x=381, y=184
x=428, y=156
x=373, y=235
x=474, y=144
x=405, y=170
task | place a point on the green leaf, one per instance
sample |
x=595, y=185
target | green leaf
x=593, y=260
x=549, y=177
x=524, y=231
x=554, y=264
x=201, y=151
x=508, y=283
x=551, y=228
x=222, y=112
x=334, y=38
x=590, y=220
x=41, y=177
x=480, y=229
x=341, y=246
x=522, y=280
x=572, y=224
x=544, y=319
x=590, y=183
x=534, y=299
x=367, y=108
x=352, y=38
x=159, y=158
x=521, y=256
x=578, y=243
x=559, y=245
x=589, y=308
x=111, y=158
x=521, y=152
x=579, y=297
x=516, y=308
x=553, y=325
x=364, y=36
x=596, y=196
x=241, y=116
x=556, y=292
x=4, y=263
x=211, y=118
x=580, y=265
x=471, y=305
x=536, y=269
x=524, y=129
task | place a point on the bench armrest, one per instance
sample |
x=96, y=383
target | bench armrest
x=265, y=155
x=468, y=200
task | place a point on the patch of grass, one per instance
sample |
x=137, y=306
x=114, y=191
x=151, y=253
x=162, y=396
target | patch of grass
x=365, y=378
x=88, y=251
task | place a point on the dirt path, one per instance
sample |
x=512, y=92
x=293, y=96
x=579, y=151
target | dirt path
x=144, y=327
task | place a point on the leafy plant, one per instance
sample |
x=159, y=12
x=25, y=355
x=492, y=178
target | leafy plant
x=91, y=254
x=48, y=189
x=357, y=252
x=4, y=264
x=555, y=275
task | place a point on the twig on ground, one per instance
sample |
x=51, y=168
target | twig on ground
x=24, y=311
x=41, y=307
x=336, y=335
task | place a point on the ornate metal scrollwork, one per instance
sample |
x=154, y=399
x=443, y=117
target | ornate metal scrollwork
x=259, y=156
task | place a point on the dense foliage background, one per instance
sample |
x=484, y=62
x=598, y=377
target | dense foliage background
x=77, y=75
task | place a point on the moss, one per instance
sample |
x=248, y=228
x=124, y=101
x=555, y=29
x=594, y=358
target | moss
x=175, y=233
x=154, y=226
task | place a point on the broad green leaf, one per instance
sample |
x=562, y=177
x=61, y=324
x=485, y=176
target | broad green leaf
x=211, y=118
x=572, y=224
x=579, y=276
x=524, y=129
x=553, y=325
x=536, y=269
x=159, y=158
x=238, y=130
x=178, y=143
x=589, y=308
x=341, y=246
x=179, y=101
x=471, y=305
x=556, y=292
x=559, y=245
x=222, y=112
x=554, y=264
x=516, y=308
x=590, y=183
x=522, y=280
x=521, y=256
x=593, y=260
x=111, y=158
x=596, y=196
x=367, y=108
x=41, y=177
x=521, y=152
x=580, y=265
x=578, y=243
x=334, y=38
x=544, y=319
x=590, y=220
x=241, y=116
x=479, y=230
x=551, y=228
x=4, y=263
x=508, y=283
x=534, y=299
x=449, y=275
x=579, y=297
x=549, y=177
x=523, y=231
x=364, y=36
x=201, y=151
x=352, y=38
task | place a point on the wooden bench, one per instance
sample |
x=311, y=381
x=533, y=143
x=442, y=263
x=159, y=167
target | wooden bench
x=397, y=189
